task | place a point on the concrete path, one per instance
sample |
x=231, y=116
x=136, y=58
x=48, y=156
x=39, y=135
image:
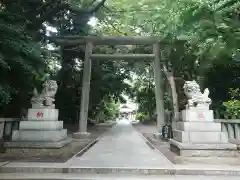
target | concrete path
x=122, y=146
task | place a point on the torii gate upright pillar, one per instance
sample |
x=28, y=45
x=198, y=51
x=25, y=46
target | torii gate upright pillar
x=158, y=87
x=82, y=130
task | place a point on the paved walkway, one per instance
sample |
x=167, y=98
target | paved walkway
x=122, y=146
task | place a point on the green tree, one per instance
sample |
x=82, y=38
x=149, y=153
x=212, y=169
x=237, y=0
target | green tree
x=22, y=57
x=144, y=93
x=199, y=34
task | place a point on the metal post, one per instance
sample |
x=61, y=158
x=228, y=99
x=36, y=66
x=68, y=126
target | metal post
x=85, y=89
x=158, y=87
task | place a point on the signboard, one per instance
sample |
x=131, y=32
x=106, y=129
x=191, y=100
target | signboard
x=167, y=132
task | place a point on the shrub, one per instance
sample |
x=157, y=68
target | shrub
x=141, y=116
x=233, y=105
x=232, y=109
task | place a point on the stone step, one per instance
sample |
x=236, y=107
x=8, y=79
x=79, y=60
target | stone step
x=178, y=170
x=207, y=160
x=41, y=125
x=49, y=176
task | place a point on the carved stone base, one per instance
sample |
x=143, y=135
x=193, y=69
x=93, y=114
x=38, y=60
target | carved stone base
x=38, y=145
x=39, y=135
x=197, y=126
x=204, y=150
x=41, y=125
x=200, y=137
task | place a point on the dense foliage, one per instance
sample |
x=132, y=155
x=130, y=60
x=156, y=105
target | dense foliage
x=26, y=60
x=202, y=40
x=22, y=55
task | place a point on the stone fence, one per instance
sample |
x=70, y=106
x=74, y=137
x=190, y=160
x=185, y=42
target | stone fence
x=7, y=126
x=232, y=129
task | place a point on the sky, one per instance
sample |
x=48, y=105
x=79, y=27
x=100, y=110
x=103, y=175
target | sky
x=93, y=21
x=129, y=103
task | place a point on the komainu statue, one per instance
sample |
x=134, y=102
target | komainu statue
x=195, y=97
x=46, y=98
x=37, y=99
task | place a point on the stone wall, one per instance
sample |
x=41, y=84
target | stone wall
x=231, y=127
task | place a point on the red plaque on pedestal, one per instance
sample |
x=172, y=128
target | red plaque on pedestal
x=200, y=115
x=39, y=114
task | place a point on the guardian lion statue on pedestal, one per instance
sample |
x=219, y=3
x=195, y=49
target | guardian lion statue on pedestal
x=196, y=99
x=46, y=98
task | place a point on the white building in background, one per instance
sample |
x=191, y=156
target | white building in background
x=129, y=103
x=129, y=109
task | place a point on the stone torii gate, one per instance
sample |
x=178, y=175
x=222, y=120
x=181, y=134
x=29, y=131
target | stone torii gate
x=89, y=42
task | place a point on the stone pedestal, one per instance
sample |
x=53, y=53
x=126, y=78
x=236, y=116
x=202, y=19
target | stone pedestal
x=82, y=135
x=198, y=135
x=42, y=130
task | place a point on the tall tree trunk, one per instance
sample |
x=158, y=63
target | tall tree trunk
x=172, y=84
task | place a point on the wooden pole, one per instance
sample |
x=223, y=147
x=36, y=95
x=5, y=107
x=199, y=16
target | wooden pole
x=85, y=89
x=158, y=87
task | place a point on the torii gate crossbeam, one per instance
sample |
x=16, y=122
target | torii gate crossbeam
x=89, y=41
